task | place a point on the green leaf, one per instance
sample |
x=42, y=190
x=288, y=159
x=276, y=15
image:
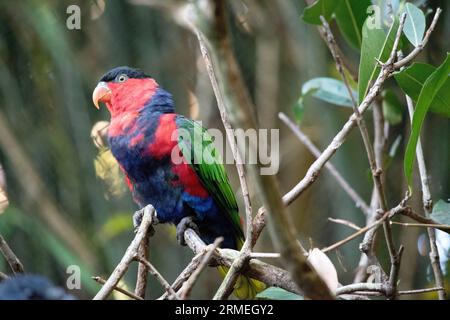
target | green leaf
x=350, y=17
x=376, y=45
x=299, y=110
x=273, y=293
x=414, y=25
x=411, y=81
x=392, y=108
x=329, y=90
x=441, y=212
x=427, y=95
x=325, y=8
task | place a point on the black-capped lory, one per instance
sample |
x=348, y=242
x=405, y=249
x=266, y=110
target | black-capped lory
x=169, y=161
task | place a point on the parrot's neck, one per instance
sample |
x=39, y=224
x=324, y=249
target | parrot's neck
x=160, y=102
x=131, y=97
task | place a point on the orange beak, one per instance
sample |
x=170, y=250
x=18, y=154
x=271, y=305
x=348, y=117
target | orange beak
x=101, y=94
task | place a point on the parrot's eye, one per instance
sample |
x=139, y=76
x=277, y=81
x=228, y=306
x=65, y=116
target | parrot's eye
x=122, y=78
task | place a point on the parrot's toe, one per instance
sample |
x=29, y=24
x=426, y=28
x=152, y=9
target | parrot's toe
x=185, y=223
x=137, y=219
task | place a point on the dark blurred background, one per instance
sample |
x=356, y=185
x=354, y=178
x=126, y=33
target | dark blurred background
x=62, y=214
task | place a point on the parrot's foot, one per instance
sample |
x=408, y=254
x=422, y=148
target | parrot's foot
x=137, y=219
x=185, y=223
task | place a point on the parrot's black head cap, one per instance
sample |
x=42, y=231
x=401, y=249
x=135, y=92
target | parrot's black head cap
x=112, y=74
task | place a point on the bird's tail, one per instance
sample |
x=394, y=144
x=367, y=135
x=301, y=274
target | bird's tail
x=245, y=288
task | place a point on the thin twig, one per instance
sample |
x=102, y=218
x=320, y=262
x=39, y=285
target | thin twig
x=426, y=225
x=154, y=272
x=403, y=62
x=357, y=233
x=119, y=289
x=427, y=204
x=142, y=274
x=189, y=284
x=262, y=255
x=231, y=277
x=408, y=212
x=332, y=45
x=230, y=136
x=187, y=272
x=358, y=287
x=129, y=255
x=11, y=258
x=360, y=203
x=314, y=170
x=239, y=107
x=345, y=223
x=227, y=285
x=416, y=291
x=387, y=215
x=316, y=167
x=375, y=166
x=395, y=272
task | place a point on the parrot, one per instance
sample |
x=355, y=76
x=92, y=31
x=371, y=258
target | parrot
x=159, y=153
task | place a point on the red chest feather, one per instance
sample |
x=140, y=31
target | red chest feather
x=189, y=179
x=165, y=138
x=165, y=143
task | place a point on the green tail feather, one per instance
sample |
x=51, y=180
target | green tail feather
x=245, y=288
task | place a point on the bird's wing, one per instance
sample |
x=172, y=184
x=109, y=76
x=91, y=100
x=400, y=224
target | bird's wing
x=208, y=165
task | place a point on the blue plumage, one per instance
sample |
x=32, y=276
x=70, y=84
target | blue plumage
x=153, y=180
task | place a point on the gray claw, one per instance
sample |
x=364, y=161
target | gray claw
x=185, y=223
x=137, y=219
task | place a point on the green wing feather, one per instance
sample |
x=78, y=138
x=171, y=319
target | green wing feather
x=198, y=148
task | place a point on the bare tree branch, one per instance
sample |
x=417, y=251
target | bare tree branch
x=154, y=272
x=272, y=276
x=427, y=202
x=416, y=291
x=119, y=289
x=129, y=255
x=141, y=281
x=386, y=216
x=413, y=54
x=213, y=25
x=187, y=272
x=361, y=231
x=189, y=283
x=360, y=203
x=426, y=225
x=231, y=277
x=345, y=223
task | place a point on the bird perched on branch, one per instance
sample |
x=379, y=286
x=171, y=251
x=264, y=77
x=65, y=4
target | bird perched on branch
x=170, y=162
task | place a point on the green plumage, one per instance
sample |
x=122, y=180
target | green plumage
x=197, y=145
